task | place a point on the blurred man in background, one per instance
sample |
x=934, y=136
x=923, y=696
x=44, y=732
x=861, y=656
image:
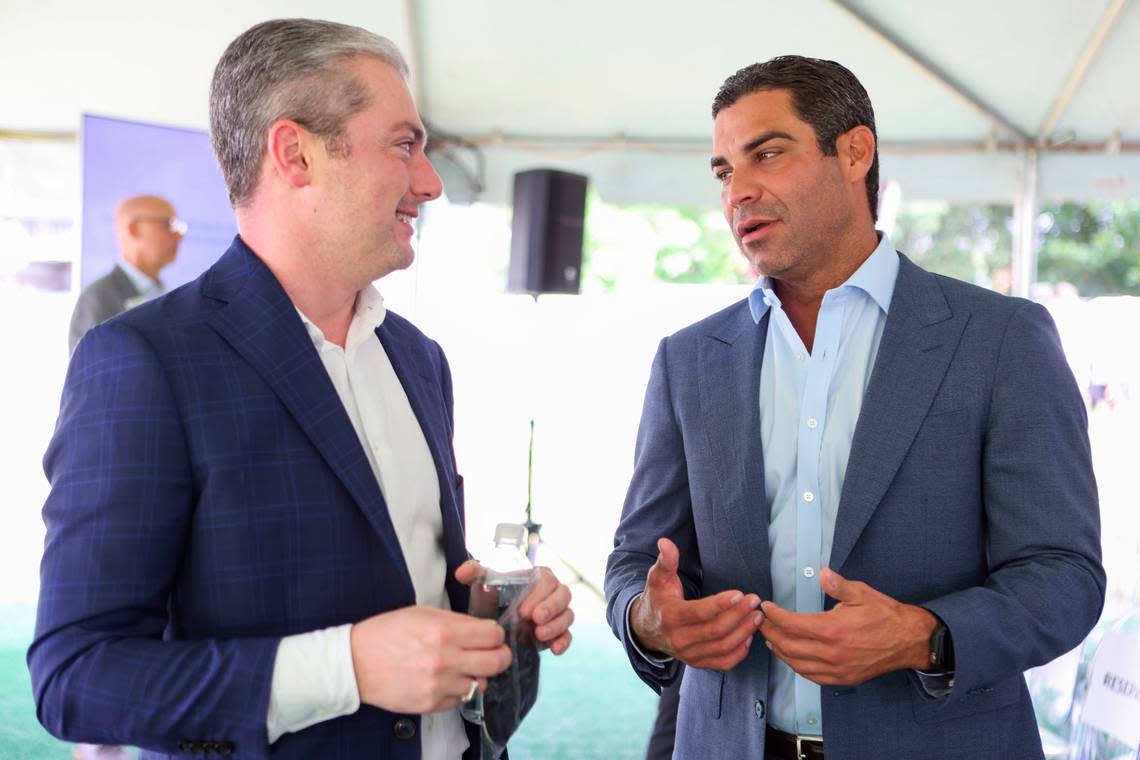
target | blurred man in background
x=148, y=232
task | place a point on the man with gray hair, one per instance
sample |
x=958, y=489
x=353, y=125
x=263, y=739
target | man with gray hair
x=255, y=529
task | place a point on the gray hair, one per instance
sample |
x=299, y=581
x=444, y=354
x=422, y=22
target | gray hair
x=287, y=69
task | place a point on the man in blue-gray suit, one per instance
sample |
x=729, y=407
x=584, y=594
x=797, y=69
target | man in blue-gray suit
x=862, y=502
x=255, y=528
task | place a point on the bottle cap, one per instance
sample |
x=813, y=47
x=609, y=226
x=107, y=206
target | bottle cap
x=512, y=533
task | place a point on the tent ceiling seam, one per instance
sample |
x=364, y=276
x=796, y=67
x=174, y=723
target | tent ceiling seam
x=987, y=111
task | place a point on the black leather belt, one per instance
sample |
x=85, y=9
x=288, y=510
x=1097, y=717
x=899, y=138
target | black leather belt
x=791, y=747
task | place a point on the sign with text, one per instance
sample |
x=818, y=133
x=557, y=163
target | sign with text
x=1113, y=701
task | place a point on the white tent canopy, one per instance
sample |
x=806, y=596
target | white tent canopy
x=966, y=93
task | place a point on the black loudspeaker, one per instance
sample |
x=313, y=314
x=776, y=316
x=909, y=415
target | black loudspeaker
x=546, y=232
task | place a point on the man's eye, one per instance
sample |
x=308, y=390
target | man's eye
x=407, y=146
x=766, y=154
x=723, y=176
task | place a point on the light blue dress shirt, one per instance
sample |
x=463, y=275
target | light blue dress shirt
x=809, y=404
x=147, y=288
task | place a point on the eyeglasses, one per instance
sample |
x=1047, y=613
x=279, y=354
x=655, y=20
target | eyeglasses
x=173, y=223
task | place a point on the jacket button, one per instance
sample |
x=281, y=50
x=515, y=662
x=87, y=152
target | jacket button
x=759, y=709
x=404, y=729
x=186, y=746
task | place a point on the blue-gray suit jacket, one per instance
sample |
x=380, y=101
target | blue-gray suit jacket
x=969, y=490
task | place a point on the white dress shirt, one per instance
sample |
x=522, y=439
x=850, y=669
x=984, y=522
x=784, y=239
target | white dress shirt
x=313, y=677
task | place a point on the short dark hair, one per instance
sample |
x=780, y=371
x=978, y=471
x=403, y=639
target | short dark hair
x=825, y=95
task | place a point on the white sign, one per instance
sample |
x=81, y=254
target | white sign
x=1113, y=701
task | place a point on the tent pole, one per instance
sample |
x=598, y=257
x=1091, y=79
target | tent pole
x=1025, y=243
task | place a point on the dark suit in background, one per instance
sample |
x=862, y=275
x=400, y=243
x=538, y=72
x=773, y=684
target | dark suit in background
x=111, y=294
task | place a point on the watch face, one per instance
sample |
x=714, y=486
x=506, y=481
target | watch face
x=937, y=642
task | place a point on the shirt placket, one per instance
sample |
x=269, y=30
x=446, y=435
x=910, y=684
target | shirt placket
x=809, y=523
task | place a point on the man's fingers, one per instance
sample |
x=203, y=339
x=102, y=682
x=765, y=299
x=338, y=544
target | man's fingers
x=662, y=581
x=797, y=648
x=841, y=589
x=474, y=633
x=719, y=647
x=742, y=614
x=810, y=625
x=729, y=629
x=703, y=610
x=546, y=599
x=482, y=663
x=562, y=643
x=556, y=627
x=468, y=572
x=668, y=555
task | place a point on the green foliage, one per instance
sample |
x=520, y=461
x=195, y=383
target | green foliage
x=971, y=243
x=628, y=245
x=697, y=247
x=1095, y=247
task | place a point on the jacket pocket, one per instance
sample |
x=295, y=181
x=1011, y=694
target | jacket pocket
x=702, y=691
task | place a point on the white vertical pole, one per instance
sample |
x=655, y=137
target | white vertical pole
x=1025, y=230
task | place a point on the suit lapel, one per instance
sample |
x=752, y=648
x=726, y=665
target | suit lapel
x=728, y=374
x=262, y=325
x=919, y=340
x=420, y=384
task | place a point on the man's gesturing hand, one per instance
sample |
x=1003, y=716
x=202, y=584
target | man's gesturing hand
x=867, y=634
x=714, y=632
x=547, y=605
x=419, y=659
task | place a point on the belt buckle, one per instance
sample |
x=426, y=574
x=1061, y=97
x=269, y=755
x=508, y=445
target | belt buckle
x=800, y=754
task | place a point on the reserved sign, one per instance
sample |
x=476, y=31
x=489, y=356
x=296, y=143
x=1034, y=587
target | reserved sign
x=1113, y=701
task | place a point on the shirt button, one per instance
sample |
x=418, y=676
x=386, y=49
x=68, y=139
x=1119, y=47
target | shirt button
x=799, y=357
x=809, y=497
x=767, y=301
x=812, y=423
x=809, y=572
x=812, y=721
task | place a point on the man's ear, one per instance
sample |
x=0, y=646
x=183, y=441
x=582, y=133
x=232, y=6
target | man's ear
x=289, y=148
x=856, y=150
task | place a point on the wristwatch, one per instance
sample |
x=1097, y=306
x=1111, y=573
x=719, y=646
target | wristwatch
x=941, y=649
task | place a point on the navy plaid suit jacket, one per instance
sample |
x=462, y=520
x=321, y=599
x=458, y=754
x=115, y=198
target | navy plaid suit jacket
x=208, y=496
x=969, y=491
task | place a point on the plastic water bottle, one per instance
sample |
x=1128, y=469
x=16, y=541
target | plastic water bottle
x=507, y=577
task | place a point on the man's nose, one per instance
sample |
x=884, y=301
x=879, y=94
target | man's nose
x=426, y=184
x=740, y=190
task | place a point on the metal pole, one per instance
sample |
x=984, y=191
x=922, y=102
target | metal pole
x=1025, y=230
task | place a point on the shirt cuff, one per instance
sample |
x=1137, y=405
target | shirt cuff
x=936, y=685
x=313, y=681
x=633, y=639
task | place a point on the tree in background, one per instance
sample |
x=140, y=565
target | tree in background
x=1096, y=247
x=972, y=243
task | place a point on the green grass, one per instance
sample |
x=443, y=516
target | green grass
x=590, y=704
